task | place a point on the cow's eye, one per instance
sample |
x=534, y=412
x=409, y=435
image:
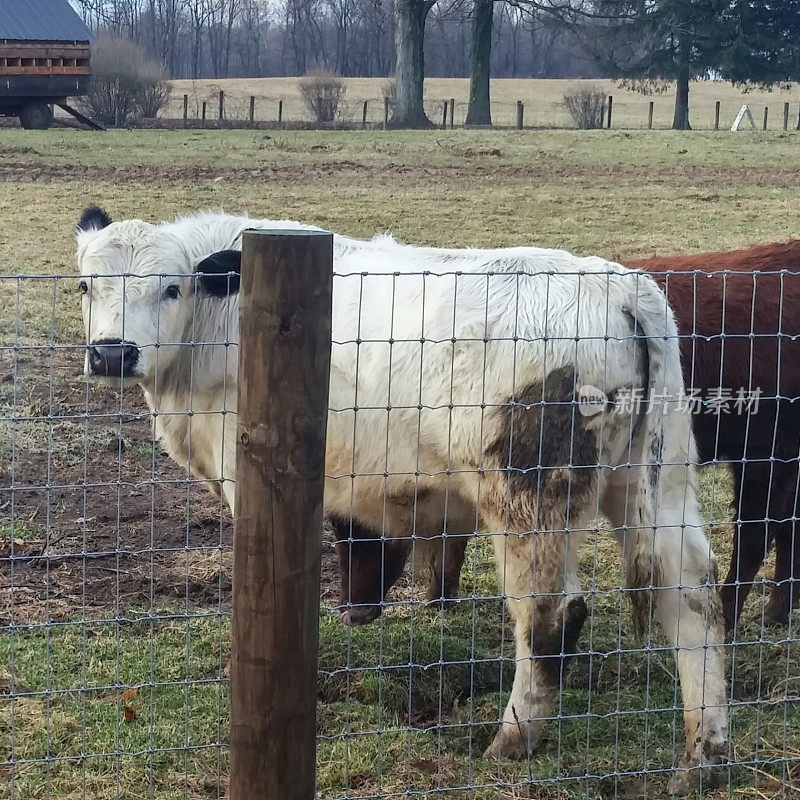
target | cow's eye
x=172, y=292
x=83, y=287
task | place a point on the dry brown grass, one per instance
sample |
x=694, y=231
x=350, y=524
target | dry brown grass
x=542, y=99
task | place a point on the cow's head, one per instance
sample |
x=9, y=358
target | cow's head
x=141, y=293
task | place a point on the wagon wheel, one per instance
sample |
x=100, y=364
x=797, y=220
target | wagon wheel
x=36, y=116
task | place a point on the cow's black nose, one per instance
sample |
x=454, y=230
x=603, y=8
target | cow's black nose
x=113, y=357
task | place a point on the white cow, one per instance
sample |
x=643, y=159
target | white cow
x=454, y=381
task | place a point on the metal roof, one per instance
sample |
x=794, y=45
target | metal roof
x=41, y=20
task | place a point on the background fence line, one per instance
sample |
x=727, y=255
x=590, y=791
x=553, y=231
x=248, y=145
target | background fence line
x=185, y=108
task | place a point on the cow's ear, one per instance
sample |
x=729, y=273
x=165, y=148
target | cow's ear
x=218, y=274
x=92, y=219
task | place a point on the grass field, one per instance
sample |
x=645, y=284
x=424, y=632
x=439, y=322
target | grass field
x=124, y=694
x=542, y=99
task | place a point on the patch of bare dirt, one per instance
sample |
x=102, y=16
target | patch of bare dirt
x=475, y=167
x=99, y=523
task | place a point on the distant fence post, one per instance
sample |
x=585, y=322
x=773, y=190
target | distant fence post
x=610, y=107
x=650, y=116
x=786, y=116
x=386, y=112
x=444, y=114
x=364, y=115
x=185, y=108
x=252, y=108
x=520, y=114
x=766, y=116
x=284, y=366
x=204, y=110
x=280, y=110
x=221, y=104
x=452, y=111
x=716, y=116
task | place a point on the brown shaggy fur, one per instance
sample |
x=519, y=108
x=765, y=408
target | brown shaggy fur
x=738, y=332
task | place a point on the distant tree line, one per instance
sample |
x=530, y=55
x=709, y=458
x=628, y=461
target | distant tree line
x=259, y=38
x=643, y=42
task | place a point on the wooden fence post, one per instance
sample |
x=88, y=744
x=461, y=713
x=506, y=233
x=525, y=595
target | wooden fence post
x=716, y=116
x=386, y=112
x=520, y=114
x=786, y=116
x=252, y=108
x=364, y=115
x=284, y=367
x=452, y=111
x=221, y=104
x=444, y=114
x=766, y=116
x=185, y=108
x=204, y=110
x=650, y=116
x=610, y=107
x=280, y=110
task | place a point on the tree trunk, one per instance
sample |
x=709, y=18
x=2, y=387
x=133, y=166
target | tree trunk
x=680, y=121
x=409, y=111
x=479, y=111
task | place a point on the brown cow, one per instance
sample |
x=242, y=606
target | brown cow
x=739, y=315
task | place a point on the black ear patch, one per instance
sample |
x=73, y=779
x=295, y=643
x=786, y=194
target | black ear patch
x=218, y=274
x=93, y=219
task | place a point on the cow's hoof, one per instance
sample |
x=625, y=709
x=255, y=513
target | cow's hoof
x=509, y=742
x=701, y=771
x=434, y=598
x=686, y=780
x=777, y=611
x=359, y=615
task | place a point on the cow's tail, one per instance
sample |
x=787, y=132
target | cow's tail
x=666, y=421
x=664, y=426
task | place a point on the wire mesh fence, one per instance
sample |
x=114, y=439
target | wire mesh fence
x=517, y=598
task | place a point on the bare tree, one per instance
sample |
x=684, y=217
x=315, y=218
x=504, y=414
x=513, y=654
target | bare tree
x=410, y=16
x=479, y=111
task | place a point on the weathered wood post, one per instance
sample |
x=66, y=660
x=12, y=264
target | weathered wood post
x=716, y=116
x=386, y=112
x=252, y=108
x=610, y=107
x=452, y=111
x=280, y=110
x=766, y=116
x=364, y=115
x=204, y=110
x=185, y=108
x=444, y=114
x=221, y=104
x=786, y=116
x=650, y=116
x=284, y=366
x=520, y=114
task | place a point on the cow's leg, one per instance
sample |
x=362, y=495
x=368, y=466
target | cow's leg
x=751, y=537
x=540, y=581
x=447, y=558
x=369, y=565
x=671, y=554
x=783, y=596
x=539, y=490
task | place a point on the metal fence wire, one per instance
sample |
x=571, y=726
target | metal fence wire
x=483, y=464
